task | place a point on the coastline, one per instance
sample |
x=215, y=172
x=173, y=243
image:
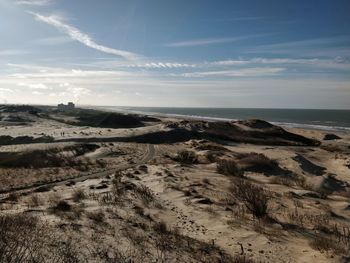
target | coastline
x=177, y=171
x=287, y=125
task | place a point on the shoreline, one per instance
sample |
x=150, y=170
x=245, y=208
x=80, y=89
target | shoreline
x=287, y=125
x=116, y=171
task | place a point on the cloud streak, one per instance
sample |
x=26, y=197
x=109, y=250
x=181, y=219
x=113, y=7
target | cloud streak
x=246, y=72
x=336, y=63
x=34, y=2
x=162, y=65
x=81, y=37
x=208, y=41
x=38, y=86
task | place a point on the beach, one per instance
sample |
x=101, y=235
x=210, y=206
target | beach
x=175, y=188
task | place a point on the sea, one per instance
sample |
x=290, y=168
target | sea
x=322, y=119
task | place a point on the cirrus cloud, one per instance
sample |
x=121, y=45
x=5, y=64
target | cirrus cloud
x=245, y=72
x=75, y=34
x=34, y=2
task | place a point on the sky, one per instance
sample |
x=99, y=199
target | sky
x=176, y=53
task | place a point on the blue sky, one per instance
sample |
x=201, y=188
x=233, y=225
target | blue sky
x=193, y=53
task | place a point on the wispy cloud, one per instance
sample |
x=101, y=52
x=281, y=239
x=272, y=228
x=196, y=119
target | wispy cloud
x=336, y=63
x=162, y=65
x=81, y=37
x=208, y=41
x=246, y=72
x=12, y=52
x=39, y=86
x=73, y=73
x=34, y=2
x=5, y=90
x=42, y=78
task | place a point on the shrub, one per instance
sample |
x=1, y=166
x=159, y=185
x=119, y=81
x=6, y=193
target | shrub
x=161, y=227
x=213, y=156
x=53, y=198
x=53, y=157
x=186, y=157
x=13, y=197
x=326, y=244
x=144, y=193
x=96, y=216
x=257, y=162
x=35, y=201
x=290, y=180
x=21, y=238
x=63, y=206
x=79, y=195
x=24, y=238
x=211, y=147
x=206, y=181
x=228, y=167
x=254, y=197
x=118, y=186
x=242, y=259
x=44, y=188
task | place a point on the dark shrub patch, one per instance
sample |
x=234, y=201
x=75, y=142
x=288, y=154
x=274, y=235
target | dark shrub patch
x=229, y=167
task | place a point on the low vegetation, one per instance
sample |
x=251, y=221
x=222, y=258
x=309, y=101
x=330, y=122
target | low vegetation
x=254, y=197
x=24, y=238
x=186, y=157
x=243, y=259
x=9, y=140
x=257, y=162
x=229, y=167
x=78, y=195
x=95, y=118
x=52, y=157
x=329, y=244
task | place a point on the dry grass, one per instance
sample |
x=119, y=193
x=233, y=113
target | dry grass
x=144, y=193
x=97, y=216
x=211, y=147
x=257, y=162
x=53, y=198
x=330, y=245
x=13, y=197
x=24, y=238
x=242, y=259
x=228, y=167
x=78, y=195
x=19, y=237
x=63, y=206
x=293, y=180
x=35, y=200
x=186, y=157
x=254, y=197
x=53, y=157
x=213, y=156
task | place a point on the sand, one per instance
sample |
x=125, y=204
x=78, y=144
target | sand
x=130, y=188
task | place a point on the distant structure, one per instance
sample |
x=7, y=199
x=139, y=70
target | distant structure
x=63, y=107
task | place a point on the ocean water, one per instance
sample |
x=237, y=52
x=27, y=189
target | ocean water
x=304, y=118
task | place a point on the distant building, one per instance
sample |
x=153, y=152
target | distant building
x=63, y=107
x=71, y=105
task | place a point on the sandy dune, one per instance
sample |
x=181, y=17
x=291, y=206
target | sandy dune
x=173, y=191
